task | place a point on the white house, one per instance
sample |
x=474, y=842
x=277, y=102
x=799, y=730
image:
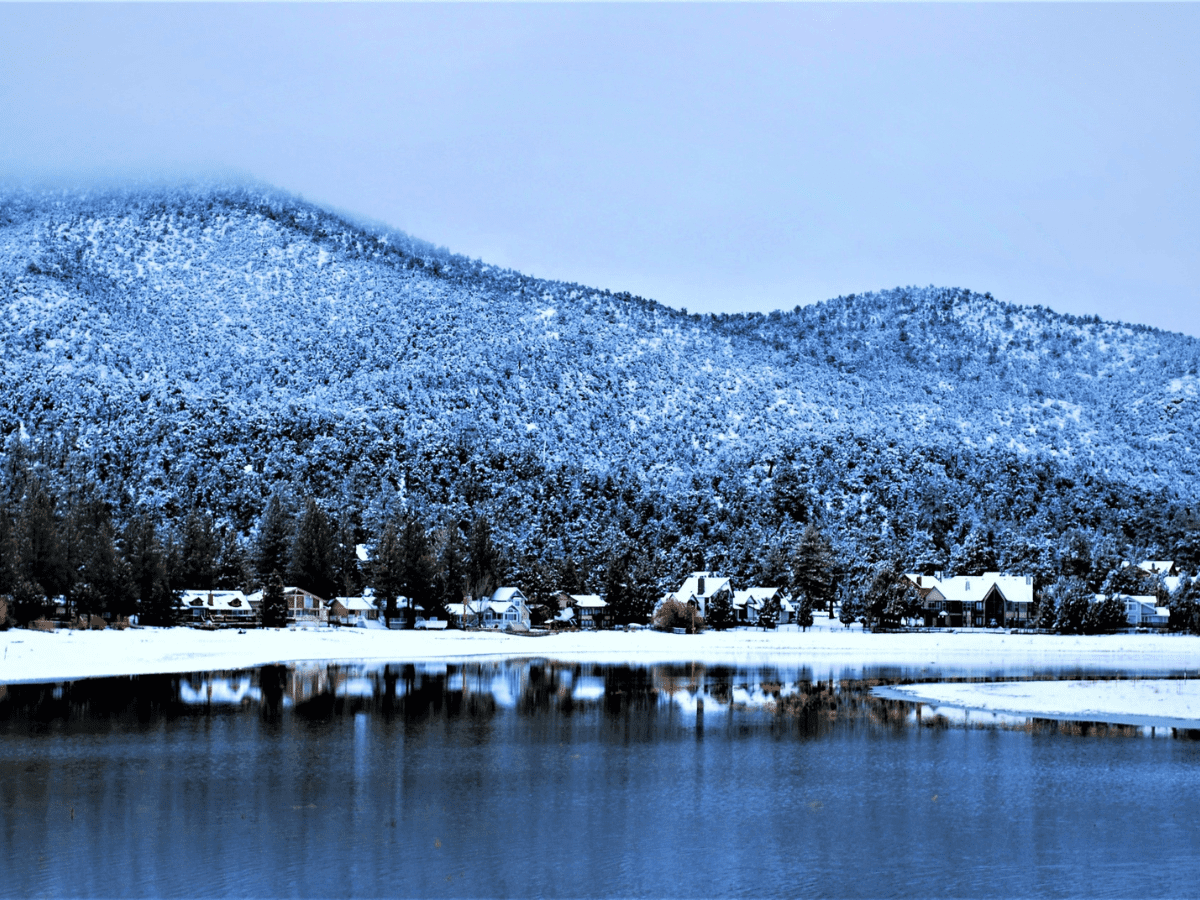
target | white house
x=217, y=607
x=352, y=610
x=698, y=589
x=506, y=609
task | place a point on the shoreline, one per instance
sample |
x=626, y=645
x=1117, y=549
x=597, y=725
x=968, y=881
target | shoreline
x=1150, y=703
x=44, y=657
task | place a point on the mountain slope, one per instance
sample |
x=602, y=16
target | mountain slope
x=211, y=346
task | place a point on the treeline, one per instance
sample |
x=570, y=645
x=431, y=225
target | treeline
x=842, y=511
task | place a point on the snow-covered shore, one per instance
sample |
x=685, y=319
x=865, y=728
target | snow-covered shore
x=1174, y=702
x=29, y=656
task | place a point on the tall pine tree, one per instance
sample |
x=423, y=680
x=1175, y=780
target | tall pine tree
x=274, y=604
x=273, y=550
x=311, y=565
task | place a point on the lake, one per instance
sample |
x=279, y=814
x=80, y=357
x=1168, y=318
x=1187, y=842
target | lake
x=535, y=778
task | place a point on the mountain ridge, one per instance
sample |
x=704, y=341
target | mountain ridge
x=218, y=346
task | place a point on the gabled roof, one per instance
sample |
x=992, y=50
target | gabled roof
x=355, y=604
x=971, y=588
x=756, y=596
x=221, y=600
x=1157, y=566
x=588, y=601
x=691, y=586
x=507, y=595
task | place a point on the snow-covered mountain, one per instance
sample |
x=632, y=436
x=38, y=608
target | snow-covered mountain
x=209, y=346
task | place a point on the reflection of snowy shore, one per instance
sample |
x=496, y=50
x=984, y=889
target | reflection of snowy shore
x=35, y=656
x=1174, y=702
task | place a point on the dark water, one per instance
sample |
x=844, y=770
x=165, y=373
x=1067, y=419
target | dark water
x=536, y=779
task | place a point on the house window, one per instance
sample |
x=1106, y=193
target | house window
x=979, y=605
x=307, y=602
x=966, y=585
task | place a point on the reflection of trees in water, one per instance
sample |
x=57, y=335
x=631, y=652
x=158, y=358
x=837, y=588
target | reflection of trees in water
x=109, y=703
x=628, y=702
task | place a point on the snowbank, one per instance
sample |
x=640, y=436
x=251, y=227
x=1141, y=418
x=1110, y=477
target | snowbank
x=65, y=655
x=1174, y=703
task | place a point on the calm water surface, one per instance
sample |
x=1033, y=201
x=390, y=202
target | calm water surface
x=519, y=779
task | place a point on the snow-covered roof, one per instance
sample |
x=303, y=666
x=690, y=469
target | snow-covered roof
x=755, y=596
x=216, y=600
x=355, y=604
x=1157, y=566
x=970, y=588
x=588, y=601
x=691, y=586
x=507, y=595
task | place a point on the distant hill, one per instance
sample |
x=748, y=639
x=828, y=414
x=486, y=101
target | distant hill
x=213, y=346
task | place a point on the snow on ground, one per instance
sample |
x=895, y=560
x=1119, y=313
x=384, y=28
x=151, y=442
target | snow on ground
x=30, y=656
x=1174, y=702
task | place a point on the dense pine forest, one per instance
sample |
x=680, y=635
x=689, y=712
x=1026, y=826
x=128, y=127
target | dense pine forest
x=204, y=388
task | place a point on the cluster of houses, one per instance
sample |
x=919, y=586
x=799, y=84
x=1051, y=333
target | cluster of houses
x=990, y=600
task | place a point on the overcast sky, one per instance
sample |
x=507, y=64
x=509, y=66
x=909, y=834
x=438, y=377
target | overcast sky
x=713, y=157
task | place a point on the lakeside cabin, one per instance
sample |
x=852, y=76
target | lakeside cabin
x=749, y=603
x=217, y=608
x=352, y=610
x=506, y=609
x=990, y=600
x=585, y=611
x=303, y=607
x=697, y=591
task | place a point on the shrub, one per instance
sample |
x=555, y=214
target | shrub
x=3, y=614
x=673, y=614
x=96, y=623
x=120, y=624
x=41, y=624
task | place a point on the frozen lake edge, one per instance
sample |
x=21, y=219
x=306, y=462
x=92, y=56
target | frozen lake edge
x=30, y=656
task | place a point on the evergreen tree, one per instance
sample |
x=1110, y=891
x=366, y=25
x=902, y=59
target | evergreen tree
x=274, y=604
x=768, y=615
x=618, y=591
x=273, y=551
x=975, y=555
x=143, y=558
x=103, y=583
x=804, y=613
x=719, y=613
x=813, y=569
x=1076, y=561
x=450, y=584
x=418, y=571
x=163, y=608
x=387, y=570
x=1185, y=607
x=891, y=597
x=1104, y=616
x=41, y=555
x=311, y=563
x=199, y=547
x=1071, y=599
x=570, y=581
x=483, y=562
x=230, y=573
x=346, y=569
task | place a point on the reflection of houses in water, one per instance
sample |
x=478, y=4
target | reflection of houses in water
x=218, y=690
x=306, y=682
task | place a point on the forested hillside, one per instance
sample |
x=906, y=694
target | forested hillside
x=173, y=351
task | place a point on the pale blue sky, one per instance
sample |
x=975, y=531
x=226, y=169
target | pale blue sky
x=716, y=157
